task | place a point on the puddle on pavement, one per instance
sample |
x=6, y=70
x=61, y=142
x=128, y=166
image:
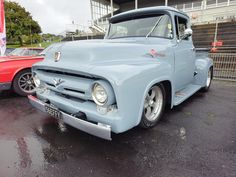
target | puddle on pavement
x=20, y=154
x=24, y=149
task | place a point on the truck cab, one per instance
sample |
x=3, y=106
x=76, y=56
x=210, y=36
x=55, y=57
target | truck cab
x=146, y=62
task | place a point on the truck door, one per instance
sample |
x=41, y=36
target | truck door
x=184, y=55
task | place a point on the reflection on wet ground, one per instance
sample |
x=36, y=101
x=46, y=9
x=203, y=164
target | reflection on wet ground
x=197, y=138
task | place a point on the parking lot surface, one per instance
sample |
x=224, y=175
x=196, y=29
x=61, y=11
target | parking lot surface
x=195, y=139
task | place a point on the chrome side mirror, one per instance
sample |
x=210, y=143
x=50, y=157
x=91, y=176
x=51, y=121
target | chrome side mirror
x=188, y=32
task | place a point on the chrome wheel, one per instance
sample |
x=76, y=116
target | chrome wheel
x=208, y=80
x=26, y=83
x=153, y=103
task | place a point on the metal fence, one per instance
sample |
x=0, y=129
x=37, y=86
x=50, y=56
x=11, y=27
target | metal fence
x=224, y=66
x=202, y=5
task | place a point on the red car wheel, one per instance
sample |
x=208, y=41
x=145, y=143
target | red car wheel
x=23, y=83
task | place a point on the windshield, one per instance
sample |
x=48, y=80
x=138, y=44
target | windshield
x=158, y=26
x=43, y=53
x=25, y=52
x=17, y=52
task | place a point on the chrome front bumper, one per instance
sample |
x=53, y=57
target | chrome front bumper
x=99, y=130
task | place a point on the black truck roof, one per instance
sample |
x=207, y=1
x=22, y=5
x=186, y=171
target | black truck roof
x=148, y=11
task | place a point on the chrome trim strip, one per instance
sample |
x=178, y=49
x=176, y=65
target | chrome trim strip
x=99, y=130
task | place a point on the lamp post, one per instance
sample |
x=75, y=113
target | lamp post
x=166, y=2
x=111, y=7
x=136, y=4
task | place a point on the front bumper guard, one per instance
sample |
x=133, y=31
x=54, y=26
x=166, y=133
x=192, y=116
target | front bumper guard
x=99, y=130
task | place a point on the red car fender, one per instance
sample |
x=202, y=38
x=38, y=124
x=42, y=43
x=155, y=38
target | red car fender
x=18, y=70
x=13, y=66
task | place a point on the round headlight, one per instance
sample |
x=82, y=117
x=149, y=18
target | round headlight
x=37, y=81
x=99, y=94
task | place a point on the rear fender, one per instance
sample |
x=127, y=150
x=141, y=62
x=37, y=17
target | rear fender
x=23, y=65
x=202, y=67
x=19, y=70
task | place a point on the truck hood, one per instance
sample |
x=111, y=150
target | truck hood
x=105, y=58
x=102, y=52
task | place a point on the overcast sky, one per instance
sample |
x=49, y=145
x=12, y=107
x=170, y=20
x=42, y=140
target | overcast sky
x=55, y=16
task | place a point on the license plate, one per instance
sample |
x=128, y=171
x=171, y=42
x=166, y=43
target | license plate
x=52, y=111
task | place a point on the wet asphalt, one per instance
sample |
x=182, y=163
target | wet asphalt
x=195, y=139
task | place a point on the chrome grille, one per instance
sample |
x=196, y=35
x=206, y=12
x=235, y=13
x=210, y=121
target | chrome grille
x=71, y=85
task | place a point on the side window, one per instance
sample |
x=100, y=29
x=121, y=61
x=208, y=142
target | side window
x=181, y=26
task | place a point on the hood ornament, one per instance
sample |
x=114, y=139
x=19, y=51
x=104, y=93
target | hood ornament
x=57, y=82
x=57, y=56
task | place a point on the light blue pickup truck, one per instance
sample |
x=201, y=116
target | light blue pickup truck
x=146, y=62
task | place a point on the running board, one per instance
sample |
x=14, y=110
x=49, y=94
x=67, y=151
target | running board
x=185, y=93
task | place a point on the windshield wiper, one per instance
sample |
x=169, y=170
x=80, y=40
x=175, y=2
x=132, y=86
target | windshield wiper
x=150, y=32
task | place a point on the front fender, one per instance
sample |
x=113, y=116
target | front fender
x=10, y=68
x=153, y=82
x=131, y=89
x=8, y=73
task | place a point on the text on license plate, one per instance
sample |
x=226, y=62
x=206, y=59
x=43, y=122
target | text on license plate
x=54, y=112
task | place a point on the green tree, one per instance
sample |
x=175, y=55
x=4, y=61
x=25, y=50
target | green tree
x=20, y=24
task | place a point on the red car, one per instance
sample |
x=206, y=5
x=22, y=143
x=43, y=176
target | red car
x=15, y=70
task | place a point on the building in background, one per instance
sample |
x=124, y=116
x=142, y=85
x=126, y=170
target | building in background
x=200, y=11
